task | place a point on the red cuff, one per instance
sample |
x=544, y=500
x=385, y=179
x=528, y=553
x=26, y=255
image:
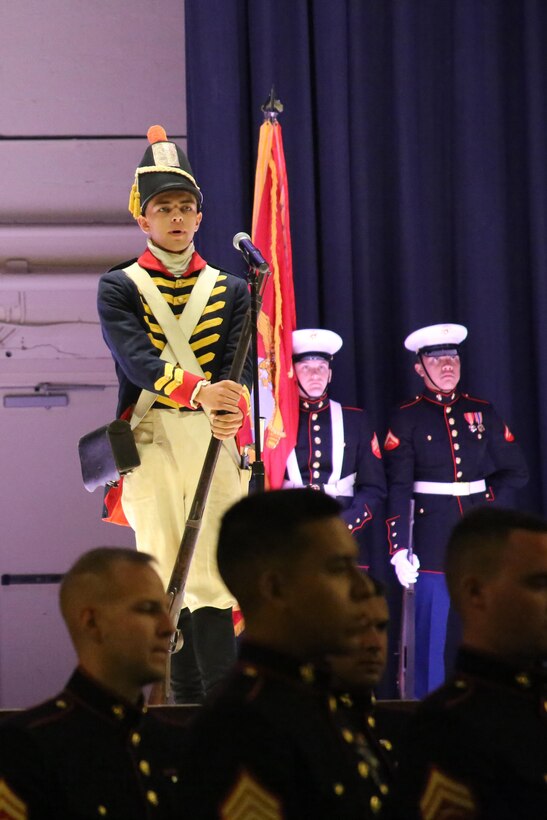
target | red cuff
x=183, y=394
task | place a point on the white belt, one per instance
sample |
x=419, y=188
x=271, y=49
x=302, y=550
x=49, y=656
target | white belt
x=344, y=486
x=450, y=487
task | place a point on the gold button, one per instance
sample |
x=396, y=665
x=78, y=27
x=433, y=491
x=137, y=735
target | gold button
x=339, y=789
x=459, y=474
x=317, y=440
x=333, y=706
x=250, y=671
x=315, y=474
x=307, y=673
x=429, y=438
x=394, y=534
x=375, y=804
x=371, y=722
x=456, y=445
x=102, y=811
x=318, y=454
x=152, y=797
x=363, y=768
x=545, y=705
x=358, y=520
x=545, y=778
x=174, y=778
x=350, y=526
x=315, y=465
x=387, y=744
x=460, y=684
x=421, y=510
x=314, y=416
x=448, y=409
x=458, y=460
x=144, y=766
x=384, y=789
x=454, y=433
x=316, y=427
x=523, y=680
x=135, y=738
x=61, y=704
x=118, y=711
x=347, y=735
x=451, y=421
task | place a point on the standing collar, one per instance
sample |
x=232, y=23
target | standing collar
x=312, y=405
x=90, y=694
x=438, y=397
x=150, y=262
x=490, y=668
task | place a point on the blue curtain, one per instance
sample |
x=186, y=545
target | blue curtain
x=415, y=133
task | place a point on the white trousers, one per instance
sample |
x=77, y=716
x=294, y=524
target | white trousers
x=157, y=498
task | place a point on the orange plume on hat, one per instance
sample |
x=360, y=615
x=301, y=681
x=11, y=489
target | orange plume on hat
x=156, y=133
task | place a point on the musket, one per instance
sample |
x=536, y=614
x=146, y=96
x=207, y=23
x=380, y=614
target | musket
x=407, y=645
x=160, y=692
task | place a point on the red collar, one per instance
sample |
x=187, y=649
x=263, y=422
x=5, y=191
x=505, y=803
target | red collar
x=150, y=262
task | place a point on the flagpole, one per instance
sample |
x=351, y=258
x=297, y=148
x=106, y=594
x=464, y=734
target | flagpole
x=277, y=319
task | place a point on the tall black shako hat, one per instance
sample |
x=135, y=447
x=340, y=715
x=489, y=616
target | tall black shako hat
x=163, y=167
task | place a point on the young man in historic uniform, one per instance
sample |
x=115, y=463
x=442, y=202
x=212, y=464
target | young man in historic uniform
x=181, y=397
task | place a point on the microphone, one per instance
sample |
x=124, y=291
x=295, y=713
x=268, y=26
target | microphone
x=253, y=257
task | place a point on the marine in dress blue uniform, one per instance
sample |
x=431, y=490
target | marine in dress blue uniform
x=449, y=451
x=477, y=747
x=336, y=450
x=88, y=753
x=95, y=750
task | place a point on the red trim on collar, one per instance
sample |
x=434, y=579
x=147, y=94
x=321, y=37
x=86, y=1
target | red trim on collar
x=150, y=262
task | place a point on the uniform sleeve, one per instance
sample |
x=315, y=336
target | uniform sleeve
x=399, y=463
x=120, y=313
x=238, y=761
x=509, y=469
x=434, y=777
x=24, y=770
x=370, y=480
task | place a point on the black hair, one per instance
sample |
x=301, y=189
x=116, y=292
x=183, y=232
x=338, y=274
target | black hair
x=265, y=528
x=479, y=539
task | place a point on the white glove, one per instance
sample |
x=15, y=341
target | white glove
x=406, y=571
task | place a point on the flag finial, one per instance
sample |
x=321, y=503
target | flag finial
x=272, y=107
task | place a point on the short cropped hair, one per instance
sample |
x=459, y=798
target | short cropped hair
x=478, y=541
x=99, y=562
x=266, y=528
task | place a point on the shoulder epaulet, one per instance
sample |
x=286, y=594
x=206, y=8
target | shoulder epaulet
x=122, y=265
x=410, y=402
x=474, y=398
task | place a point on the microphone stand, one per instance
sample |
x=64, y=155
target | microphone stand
x=256, y=484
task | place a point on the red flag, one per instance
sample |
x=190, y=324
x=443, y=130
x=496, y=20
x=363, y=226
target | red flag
x=277, y=319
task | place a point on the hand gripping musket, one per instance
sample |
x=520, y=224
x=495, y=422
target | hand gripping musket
x=407, y=646
x=160, y=692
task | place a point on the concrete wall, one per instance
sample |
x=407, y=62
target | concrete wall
x=80, y=84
